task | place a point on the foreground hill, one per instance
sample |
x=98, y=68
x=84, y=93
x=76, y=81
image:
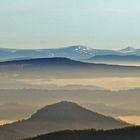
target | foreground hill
x=118, y=134
x=110, y=103
x=62, y=116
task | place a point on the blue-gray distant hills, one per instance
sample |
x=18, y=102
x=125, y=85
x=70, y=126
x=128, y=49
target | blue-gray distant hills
x=66, y=68
x=74, y=52
x=116, y=59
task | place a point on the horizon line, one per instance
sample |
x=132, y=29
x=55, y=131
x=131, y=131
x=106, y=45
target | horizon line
x=66, y=47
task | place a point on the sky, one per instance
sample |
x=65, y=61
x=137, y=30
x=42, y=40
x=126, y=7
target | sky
x=104, y=24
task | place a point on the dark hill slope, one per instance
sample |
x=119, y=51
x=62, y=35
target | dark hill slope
x=120, y=134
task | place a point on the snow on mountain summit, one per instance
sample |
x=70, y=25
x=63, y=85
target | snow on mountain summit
x=74, y=52
x=80, y=49
x=128, y=49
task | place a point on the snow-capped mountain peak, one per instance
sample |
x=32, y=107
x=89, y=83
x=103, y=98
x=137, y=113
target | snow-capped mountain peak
x=82, y=49
x=128, y=49
x=79, y=47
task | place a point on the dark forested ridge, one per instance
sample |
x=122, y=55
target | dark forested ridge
x=132, y=133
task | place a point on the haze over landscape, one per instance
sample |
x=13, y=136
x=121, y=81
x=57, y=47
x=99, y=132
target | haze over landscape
x=69, y=70
x=45, y=24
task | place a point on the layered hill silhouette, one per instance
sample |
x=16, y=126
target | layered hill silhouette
x=132, y=133
x=116, y=59
x=15, y=111
x=63, y=116
x=64, y=67
x=54, y=61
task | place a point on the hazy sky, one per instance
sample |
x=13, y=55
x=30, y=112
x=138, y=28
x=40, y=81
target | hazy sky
x=111, y=24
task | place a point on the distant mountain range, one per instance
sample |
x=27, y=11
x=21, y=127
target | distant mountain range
x=74, y=52
x=61, y=116
x=132, y=133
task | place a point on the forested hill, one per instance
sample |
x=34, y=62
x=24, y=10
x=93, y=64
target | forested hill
x=132, y=133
